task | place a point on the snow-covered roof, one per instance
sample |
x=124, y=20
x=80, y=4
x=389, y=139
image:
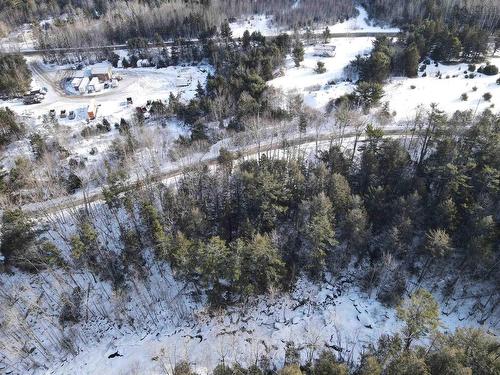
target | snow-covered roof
x=105, y=69
x=94, y=81
x=78, y=74
x=84, y=83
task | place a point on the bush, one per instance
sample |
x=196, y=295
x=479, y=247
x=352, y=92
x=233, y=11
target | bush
x=464, y=97
x=489, y=70
x=487, y=96
x=472, y=68
x=413, y=87
x=71, y=307
x=474, y=89
x=320, y=68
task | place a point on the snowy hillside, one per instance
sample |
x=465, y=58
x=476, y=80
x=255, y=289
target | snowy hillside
x=266, y=26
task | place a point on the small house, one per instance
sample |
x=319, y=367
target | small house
x=83, y=85
x=103, y=73
x=92, y=110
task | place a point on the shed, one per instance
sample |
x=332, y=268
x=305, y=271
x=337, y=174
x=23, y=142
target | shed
x=324, y=50
x=103, y=73
x=83, y=85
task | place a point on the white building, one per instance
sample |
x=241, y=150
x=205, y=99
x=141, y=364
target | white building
x=83, y=85
x=75, y=83
x=95, y=85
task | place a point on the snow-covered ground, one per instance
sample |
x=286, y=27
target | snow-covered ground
x=141, y=84
x=158, y=324
x=359, y=24
x=261, y=22
x=444, y=86
x=266, y=25
x=319, y=89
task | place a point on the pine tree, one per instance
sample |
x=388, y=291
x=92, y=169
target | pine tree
x=200, y=91
x=320, y=234
x=420, y=314
x=225, y=31
x=302, y=123
x=298, y=53
x=412, y=58
x=245, y=40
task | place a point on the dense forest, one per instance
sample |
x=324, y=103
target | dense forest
x=104, y=22
x=15, y=77
x=484, y=15
x=258, y=225
x=402, y=213
x=412, y=217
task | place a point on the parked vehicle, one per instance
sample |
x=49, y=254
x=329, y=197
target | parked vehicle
x=52, y=113
x=63, y=113
x=130, y=101
x=71, y=115
x=31, y=100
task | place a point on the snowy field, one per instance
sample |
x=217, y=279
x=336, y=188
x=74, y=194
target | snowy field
x=319, y=89
x=149, y=337
x=443, y=84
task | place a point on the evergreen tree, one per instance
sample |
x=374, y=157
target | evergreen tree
x=245, y=40
x=420, y=314
x=298, y=53
x=412, y=58
x=17, y=235
x=225, y=31
x=319, y=234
